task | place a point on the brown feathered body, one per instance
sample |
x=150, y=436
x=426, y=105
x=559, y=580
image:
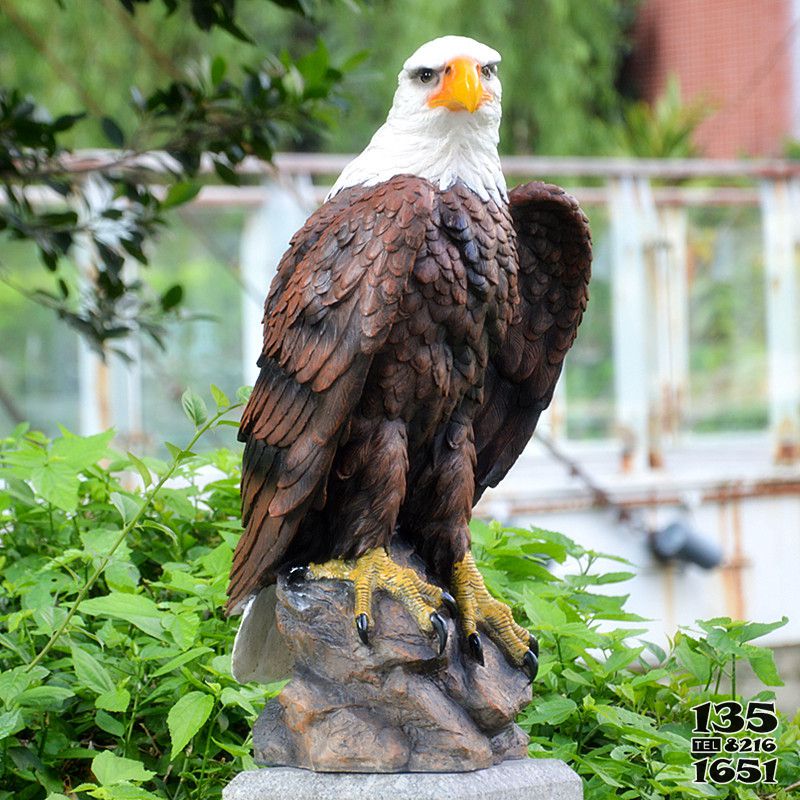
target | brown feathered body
x=412, y=337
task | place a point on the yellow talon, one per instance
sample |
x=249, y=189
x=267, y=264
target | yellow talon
x=376, y=570
x=478, y=607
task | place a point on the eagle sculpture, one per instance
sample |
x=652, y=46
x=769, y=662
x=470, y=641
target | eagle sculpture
x=413, y=334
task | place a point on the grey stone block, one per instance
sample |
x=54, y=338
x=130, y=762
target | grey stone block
x=523, y=779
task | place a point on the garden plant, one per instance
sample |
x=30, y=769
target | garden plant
x=115, y=657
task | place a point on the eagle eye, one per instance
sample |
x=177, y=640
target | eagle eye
x=489, y=70
x=426, y=75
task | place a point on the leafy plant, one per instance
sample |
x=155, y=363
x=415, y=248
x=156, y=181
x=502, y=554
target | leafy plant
x=114, y=660
x=617, y=707
x=663, y=129
x=101, y=211
x=115, y=675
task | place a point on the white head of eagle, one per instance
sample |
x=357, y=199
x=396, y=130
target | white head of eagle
x=443, y=125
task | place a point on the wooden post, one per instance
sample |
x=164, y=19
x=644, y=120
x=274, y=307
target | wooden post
x=264, y=239
x=631, y=321
x=780, y=209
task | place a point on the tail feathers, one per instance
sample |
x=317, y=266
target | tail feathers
x=261, y=547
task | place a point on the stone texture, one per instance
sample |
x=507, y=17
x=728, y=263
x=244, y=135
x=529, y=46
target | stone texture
x=395, y=706
x=526, y=779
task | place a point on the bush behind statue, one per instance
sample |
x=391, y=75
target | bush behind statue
x=128, y=694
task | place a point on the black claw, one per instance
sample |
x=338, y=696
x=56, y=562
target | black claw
x=533, y=643
x=530, y=665
x=441, y=630
x=362, y=626
x=449, y=603
x=297, y=575
x=475, y=647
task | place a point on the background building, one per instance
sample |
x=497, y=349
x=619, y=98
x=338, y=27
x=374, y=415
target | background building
x=738, y=57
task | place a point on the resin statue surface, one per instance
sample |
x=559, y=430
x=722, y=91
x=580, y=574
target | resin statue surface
x=413, y=335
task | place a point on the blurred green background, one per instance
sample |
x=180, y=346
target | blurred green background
x=565, y=93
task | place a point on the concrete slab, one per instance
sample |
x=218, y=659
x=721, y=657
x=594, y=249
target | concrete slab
x=523, y=779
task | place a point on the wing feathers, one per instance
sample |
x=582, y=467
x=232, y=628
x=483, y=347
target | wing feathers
x=330, y=308
x=554, y=258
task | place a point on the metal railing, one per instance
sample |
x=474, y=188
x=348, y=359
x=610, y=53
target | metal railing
x=646, y=202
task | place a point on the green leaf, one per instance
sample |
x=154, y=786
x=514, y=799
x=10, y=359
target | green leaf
x=179, y=661
x=98, y=543
x=177, y=453
x=127, y=791
x=575, y=677
x=243, y=393
x=172, y=297
x=115, y=700
x=218, y=69
x=110, y=769
x=226, y=173
x=186, y=718
x=58, y=484
x=220, y=398
x=112, y=132
x=90, y=672
x=11, y=722
x=133, y=608
x=543, y=613
x=141, y=467
x=81, y=452
x=696, y=663
x=752, y=630
x=763, y=663
x=553, y=710
x=15, y=681
x=45, y=698
x=180, y=193
x=614, y=577
x=107, y=723
x=639, y=727
x=237, y=697
x=194, y=407
x=128, y=507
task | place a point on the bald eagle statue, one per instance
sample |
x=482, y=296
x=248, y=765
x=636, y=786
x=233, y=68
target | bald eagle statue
x=413, y=334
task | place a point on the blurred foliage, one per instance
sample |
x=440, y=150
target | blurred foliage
x=560, y=64
x=115, y=677
x=561, y=58
x=727, y=320
x=110, y=208
x=662, y=130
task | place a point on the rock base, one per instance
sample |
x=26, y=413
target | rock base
x=526, y=779
x=392, y=706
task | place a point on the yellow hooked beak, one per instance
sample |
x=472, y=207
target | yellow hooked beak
x=461, y=88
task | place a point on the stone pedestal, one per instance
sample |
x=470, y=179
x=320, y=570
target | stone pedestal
x=523, y=779
x=394, y=705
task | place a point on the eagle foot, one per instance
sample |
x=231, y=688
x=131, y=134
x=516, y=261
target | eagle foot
x=477, y=607
x=376, y=570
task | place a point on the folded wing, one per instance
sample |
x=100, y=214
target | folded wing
x=555, y=254
x=330, y=309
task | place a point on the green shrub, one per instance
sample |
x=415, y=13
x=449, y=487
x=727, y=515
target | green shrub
x=135, y=699
x=613, y=705
x=115, y=659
